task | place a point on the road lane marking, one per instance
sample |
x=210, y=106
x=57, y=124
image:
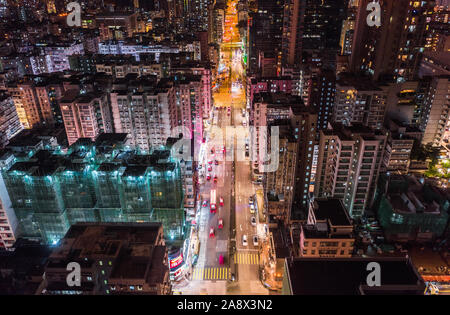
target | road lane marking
x=212, y=273
x=247, y=258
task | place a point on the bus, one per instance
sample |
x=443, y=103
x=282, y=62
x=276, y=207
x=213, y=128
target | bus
x=212, y=201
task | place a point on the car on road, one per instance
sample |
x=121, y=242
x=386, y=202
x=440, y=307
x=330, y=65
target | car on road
x=215, y=178
x=244, y=123
x=255, y=240
x=221, y=201
x=209, y=168
x=253, y=221
x=250, y=200
x=220, y=224
x=252, y=209
x=216, y=162
x=208, y=178
x=224, y=150
x=205, y=203
x=244, y=240
x=211, y=232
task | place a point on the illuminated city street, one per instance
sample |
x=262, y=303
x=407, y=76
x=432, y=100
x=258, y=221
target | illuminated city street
x=239, y=149
x=209, y=276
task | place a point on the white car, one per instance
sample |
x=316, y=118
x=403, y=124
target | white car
x=253, y=221
x=255, y=240
x=244, y=240
x=252, y=209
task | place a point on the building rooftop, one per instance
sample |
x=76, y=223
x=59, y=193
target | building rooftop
x=20, y=265
x=348, y=132
x=333, y=210
x=322, y=230
x=359, y=83
x=347, y=276
x=110, y=139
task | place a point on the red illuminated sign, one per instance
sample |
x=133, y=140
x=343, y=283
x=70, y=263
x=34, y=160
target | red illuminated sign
x=175, y=262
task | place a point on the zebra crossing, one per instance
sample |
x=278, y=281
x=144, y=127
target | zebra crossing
x=213, y=273
x=246, y=258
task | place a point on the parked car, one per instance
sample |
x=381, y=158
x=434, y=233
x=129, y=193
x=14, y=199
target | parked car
x=244, y=240
x=255, y=240
x=253, y=221
x=211, y=232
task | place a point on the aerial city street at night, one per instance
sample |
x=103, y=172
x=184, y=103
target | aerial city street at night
x=225, y=148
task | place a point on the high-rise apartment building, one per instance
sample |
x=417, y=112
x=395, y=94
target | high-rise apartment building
x=8, y=219
x=399, y=144
x=266, y=30
x=190, y=14
x=57, y=56
x=112, y=21
x=216, y=21
x=189, y=104
x=115, y=259
x=328, y=232
x=85, y=115
x=142, y=112
x=349, y=163
x=348, y=30
x=312, y=27
x=322, y=90
x=26, y=103
x=36, y=100
x=360, y=101
x=279, y=185
x=257, y=85
x=9, y=120
x=395, y=48
x=101, y=181
x=277, y=109
x=435, y=119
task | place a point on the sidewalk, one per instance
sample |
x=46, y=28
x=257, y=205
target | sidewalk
x=260, y=205
x=205, y=287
